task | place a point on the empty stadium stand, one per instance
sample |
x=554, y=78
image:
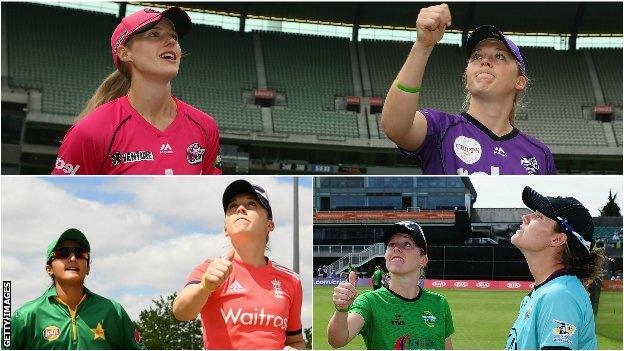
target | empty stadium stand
x=56, y=65
x=312, y=71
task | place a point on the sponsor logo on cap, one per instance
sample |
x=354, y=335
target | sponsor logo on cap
x=467, y=149
x=51, y=333
x=121, y=38
x=483, y=285
x=438, y=284
x=513, y=285
x=460, y=284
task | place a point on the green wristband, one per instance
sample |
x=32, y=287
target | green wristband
x=342, y=309
x=406, y=89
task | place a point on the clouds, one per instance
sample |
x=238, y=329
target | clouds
x=506, y=192
x=146, y=233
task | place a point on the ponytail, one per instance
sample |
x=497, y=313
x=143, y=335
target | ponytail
x=117, y=84
x=587, y=267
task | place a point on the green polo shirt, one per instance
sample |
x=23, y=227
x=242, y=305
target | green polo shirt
x=99, y=323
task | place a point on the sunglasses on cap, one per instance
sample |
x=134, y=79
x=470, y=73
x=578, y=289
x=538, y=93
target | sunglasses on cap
x=569, y=230
x=67, y=252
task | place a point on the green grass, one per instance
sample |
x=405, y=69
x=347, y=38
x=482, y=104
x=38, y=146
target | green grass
x=481, y=318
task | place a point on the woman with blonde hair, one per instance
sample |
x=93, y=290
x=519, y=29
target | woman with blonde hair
x=133, y=124
x=481, y=140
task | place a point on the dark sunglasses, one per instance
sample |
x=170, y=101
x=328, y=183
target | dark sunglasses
x=66, y=252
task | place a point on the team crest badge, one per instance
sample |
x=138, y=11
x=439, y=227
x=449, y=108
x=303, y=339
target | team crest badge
x=429, y=319
x=530, y=164
x=98, y=332
x=194, y=154
x=563, y=331
x=277, y=289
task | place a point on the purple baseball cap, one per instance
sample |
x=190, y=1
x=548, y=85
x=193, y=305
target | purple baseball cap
x=145, y=19
x=491, y=32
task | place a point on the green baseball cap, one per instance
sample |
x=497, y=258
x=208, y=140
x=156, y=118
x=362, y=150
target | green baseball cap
x=70, y=234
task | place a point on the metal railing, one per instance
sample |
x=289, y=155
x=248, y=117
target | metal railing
x=357, y=259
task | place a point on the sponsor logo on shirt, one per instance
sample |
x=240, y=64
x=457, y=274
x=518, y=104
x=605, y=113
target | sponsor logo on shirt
x=254, y=318
x=166, y=149
x=409, y=342
x=493, y=171
x=530, y=164
x=467, y=149
x=563, y=331
x=236, y=287
x=397, y=320
x=51, y=333
x=277, y=289
x=429, y=319
x=130, y=157
x=499, y=151
x=195, y=153
x=66, y=167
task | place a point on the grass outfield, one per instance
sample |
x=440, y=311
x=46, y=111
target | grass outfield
x=481, y=318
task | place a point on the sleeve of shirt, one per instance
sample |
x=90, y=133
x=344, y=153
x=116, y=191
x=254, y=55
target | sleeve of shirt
x=362, y=306
x=552, y=169
x=196, y=275
x=437, y=121
x=131, y=337
x=212, y=164
x=80, y=153
x=558, y=320
x=449, y=329
x=294, y=316
x=18, y=332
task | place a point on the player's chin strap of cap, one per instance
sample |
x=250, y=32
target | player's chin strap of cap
x=568, y=228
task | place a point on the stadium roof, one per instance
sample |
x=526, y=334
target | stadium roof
x=567, y=18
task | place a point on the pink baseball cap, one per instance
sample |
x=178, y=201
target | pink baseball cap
x=145, y=19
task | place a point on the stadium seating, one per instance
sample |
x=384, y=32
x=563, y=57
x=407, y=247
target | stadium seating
x=605, y=233
x=312, y=71
x=68, y=59
x=65, y=59
x=608, y=64
x=559, y=88
x=216, y=67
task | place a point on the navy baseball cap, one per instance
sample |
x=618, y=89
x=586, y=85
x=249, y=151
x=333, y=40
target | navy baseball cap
x=568, y=212
x=410, y=228
x=244, y=187
x=491, y=32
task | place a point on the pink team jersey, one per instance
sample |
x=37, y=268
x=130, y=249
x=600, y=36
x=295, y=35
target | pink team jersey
x=116, y=139
x=255, y=308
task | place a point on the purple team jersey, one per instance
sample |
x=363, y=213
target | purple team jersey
x=461, y=145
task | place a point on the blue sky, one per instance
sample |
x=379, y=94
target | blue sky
x=146, y=233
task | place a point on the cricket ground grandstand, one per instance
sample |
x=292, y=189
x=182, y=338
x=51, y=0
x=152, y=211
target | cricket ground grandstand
x=464, y=243
x=292, y=101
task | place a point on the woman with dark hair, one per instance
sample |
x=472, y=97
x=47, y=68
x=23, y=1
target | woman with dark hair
x=133, y=124
x=556, y=240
